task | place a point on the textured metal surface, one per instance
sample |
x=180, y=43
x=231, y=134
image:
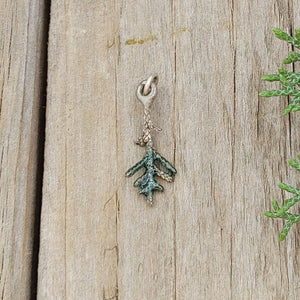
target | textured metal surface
x=147, y=182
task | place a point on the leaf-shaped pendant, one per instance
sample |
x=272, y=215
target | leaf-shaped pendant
x=147, y=183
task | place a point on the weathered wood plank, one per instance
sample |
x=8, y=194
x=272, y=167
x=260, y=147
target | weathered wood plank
x=292, y=177
x=204, y=129
x=206, y=236
x=146, y=234
x=22, y=56
x=262, y=146
x=230, y=154
x=78, y=250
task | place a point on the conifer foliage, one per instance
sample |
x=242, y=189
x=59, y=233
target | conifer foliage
x=290, y=82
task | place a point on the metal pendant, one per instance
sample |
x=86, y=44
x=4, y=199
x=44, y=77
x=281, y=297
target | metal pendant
x=147, y=183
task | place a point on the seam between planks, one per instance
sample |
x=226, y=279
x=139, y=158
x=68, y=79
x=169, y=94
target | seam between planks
x=40, y=149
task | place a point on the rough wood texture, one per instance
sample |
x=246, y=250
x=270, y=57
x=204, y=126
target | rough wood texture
x=22, y=54
x=78, y=249
x=206, y=236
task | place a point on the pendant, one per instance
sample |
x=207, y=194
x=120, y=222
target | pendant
x=147, y=183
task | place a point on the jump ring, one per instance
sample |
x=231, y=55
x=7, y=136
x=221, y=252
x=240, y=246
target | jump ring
x=148, y=99
x=152, y=79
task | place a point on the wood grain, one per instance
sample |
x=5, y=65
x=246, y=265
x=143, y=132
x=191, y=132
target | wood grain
x=146, y=234
x=206, y=236
x=22, y=55
x=263, y=144
x=78, y=249
x=204, y=131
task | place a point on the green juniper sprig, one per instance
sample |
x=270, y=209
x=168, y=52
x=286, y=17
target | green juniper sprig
x=281, y=212
x=290, y=82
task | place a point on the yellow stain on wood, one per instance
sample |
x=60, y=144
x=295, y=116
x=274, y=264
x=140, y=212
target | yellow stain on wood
x=150, y=38
x=154, y=37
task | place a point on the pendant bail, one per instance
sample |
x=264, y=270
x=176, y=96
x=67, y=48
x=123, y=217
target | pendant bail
x=147, y=90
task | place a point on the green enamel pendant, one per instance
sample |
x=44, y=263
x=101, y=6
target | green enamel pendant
x=152, y=160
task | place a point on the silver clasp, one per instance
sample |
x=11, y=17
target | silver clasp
x=147, y=91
